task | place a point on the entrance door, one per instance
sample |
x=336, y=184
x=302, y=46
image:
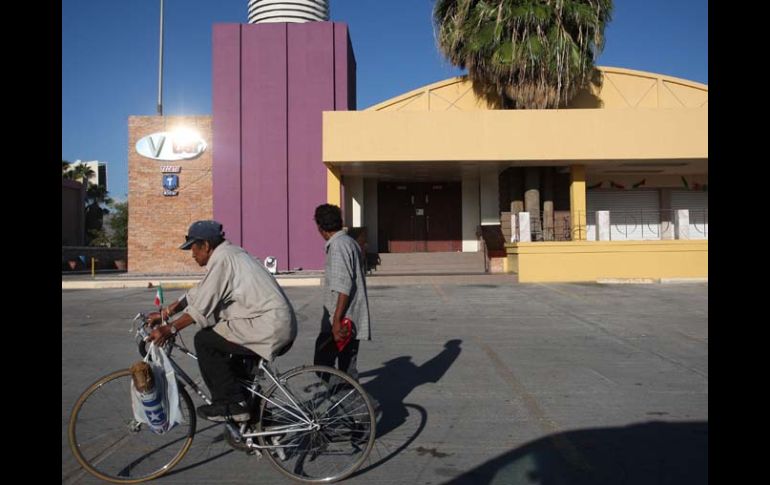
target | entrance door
x=443, y=225
x=419, y=217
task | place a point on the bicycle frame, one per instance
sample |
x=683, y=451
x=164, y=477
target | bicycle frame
x=239, y=433
x=319, y=414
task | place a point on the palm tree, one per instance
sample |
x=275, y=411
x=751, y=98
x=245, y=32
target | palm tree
x=524, y=53
x=96, y=196
x=82, y=172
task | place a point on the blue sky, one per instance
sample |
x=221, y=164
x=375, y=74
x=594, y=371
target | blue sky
x=110, y=58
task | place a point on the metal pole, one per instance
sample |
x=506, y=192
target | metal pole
x=160, y=65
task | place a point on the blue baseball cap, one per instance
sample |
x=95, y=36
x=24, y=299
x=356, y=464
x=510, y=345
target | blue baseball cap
x=202, y=231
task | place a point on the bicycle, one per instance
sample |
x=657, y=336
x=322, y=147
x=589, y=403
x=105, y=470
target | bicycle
x=314, y=423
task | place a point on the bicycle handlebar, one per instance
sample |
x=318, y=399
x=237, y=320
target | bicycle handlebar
x=143, y=333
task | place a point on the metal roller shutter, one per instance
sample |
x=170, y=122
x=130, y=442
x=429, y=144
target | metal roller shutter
x=634, y=214
x=697, y=202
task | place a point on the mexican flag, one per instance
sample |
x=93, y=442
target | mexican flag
x=159, y=297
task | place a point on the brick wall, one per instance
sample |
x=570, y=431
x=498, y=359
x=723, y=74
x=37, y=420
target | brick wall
x=157, y=224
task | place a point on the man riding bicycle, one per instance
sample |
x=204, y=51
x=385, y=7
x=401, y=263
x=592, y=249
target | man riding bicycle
x=241, y=311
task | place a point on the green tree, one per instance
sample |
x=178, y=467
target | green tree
x=98, y=194
x=97, y=203
x=99, y=237
x=66, y=170
x=119, y=225
x=527, y=54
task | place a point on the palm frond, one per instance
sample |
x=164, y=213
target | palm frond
x=523, y=53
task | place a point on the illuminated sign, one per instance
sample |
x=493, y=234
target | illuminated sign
x=171, y=145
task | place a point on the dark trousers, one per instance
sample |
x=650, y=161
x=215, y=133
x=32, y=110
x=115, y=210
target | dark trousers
x=326, y=353
x=221, y=372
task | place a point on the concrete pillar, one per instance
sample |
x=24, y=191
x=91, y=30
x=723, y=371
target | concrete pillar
x=682, y=224
x=602, y=225
x=333, y=186
x=532, y=199
x=525, y=234
x=514, y=225
x=354, y=201
x=577, y=202
x=470, y=207
x=548, y=196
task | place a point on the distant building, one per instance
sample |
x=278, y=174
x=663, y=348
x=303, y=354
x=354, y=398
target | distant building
x=100, y=171
x=72, y=213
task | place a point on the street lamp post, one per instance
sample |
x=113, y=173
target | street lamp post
x=160, y=65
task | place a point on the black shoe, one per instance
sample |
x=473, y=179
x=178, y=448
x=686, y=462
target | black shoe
x=221, y=412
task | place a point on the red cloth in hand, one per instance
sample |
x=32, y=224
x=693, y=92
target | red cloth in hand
x=345, y=323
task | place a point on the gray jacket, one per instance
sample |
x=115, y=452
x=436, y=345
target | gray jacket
x=243, y=302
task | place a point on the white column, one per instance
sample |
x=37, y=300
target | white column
x=471, y=219
x=602, y=225
x=354, y=201
x=514, y=223
x=524, y=231
x=682, y=224
x=370, y=213
x=490, y=198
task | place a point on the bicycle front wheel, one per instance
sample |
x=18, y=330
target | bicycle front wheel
x=111, y=445
x=324, y=424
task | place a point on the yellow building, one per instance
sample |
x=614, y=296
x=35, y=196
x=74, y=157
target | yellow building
x=434, y=168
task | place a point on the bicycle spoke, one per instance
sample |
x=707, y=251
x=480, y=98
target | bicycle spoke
x=343, y=431
x=107, y=442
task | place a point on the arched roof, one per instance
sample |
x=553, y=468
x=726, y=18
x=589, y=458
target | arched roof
x=620, y=88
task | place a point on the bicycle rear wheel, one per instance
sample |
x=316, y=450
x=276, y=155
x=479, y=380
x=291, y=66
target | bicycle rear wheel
x=111, y=445
x=340, y=420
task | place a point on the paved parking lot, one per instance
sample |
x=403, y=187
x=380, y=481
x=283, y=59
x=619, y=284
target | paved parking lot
x=482, y=381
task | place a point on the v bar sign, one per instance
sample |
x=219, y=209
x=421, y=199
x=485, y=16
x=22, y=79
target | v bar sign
x=171, y=145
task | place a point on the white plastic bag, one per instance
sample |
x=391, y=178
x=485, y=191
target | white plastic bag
x=159, y=407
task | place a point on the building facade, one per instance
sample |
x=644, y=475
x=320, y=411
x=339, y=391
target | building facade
x=72, y=213
x=428, y=170
x=432, y=170
x=160, y=213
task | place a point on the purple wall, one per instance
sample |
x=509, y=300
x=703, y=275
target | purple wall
x=264, y=142
x=311, y=91
x=226, y=98
x=271, y=83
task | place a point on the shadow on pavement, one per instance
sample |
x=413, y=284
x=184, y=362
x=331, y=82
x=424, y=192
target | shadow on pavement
x=654, y=453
